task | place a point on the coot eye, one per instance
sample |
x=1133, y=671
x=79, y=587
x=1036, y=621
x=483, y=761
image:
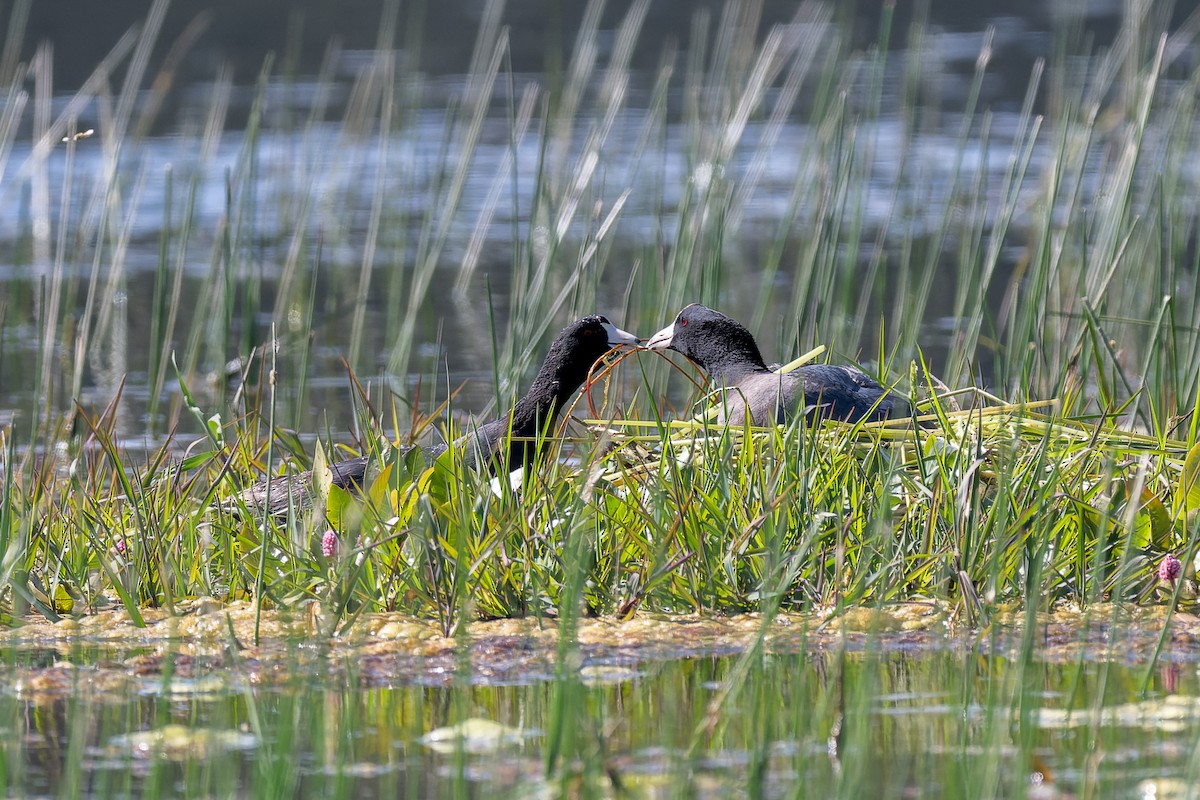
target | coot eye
x=683, y=322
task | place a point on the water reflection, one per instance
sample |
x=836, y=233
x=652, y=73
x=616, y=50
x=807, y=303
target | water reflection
x=943, y=718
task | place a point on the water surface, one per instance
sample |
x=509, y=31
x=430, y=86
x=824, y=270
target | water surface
x=657, y=705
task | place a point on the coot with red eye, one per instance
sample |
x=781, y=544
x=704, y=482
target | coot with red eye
x=572, y=354
x=723, y=348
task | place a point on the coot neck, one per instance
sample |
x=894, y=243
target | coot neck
x=556, y=381
x=539, y=407
x=735, y=361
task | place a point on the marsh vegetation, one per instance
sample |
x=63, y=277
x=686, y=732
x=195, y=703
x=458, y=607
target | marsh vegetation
x=259, y=279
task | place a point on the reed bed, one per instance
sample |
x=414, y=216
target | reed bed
x=975, y=508
x=632, y=192
x=1024, y=273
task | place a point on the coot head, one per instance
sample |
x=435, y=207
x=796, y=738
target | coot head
x=719, y=344
x=725, y=349
x=572, y=354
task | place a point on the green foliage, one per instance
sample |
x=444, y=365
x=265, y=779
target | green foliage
x=1065, y=280
x=997, y=501
x=976, y=507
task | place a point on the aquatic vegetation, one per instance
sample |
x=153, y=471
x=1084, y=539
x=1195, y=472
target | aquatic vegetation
x=660, y=604
x=976, y=507
x=1014, y=499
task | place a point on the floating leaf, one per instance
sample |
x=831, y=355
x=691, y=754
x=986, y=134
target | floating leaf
x=472, y=736
x=181, y=743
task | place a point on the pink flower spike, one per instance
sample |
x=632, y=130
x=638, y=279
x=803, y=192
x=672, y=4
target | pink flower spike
x=1169, y=569
x=329, y=543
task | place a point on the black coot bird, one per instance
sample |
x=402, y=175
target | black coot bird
x=723, y=348
x=572, y=354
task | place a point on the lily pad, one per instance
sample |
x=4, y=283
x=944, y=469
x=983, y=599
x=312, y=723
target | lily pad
x=472, y=735
x=179, y=743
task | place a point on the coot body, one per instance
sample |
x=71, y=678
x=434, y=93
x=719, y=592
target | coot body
x=572, y=354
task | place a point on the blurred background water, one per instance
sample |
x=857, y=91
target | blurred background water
x=316, y=182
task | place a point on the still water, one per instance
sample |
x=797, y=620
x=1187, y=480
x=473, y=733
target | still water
x=314, y=219
x=235, y=208
x=657, y=707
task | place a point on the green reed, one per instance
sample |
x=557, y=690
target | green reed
x=989, y=503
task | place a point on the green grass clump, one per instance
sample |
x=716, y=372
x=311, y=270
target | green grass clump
x=974, y=508
x=1072, y=280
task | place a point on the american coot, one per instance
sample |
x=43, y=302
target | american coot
x=572, y=354
x=725, y=350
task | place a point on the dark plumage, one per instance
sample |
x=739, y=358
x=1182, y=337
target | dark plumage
x=723, y=348
x=572, y=354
